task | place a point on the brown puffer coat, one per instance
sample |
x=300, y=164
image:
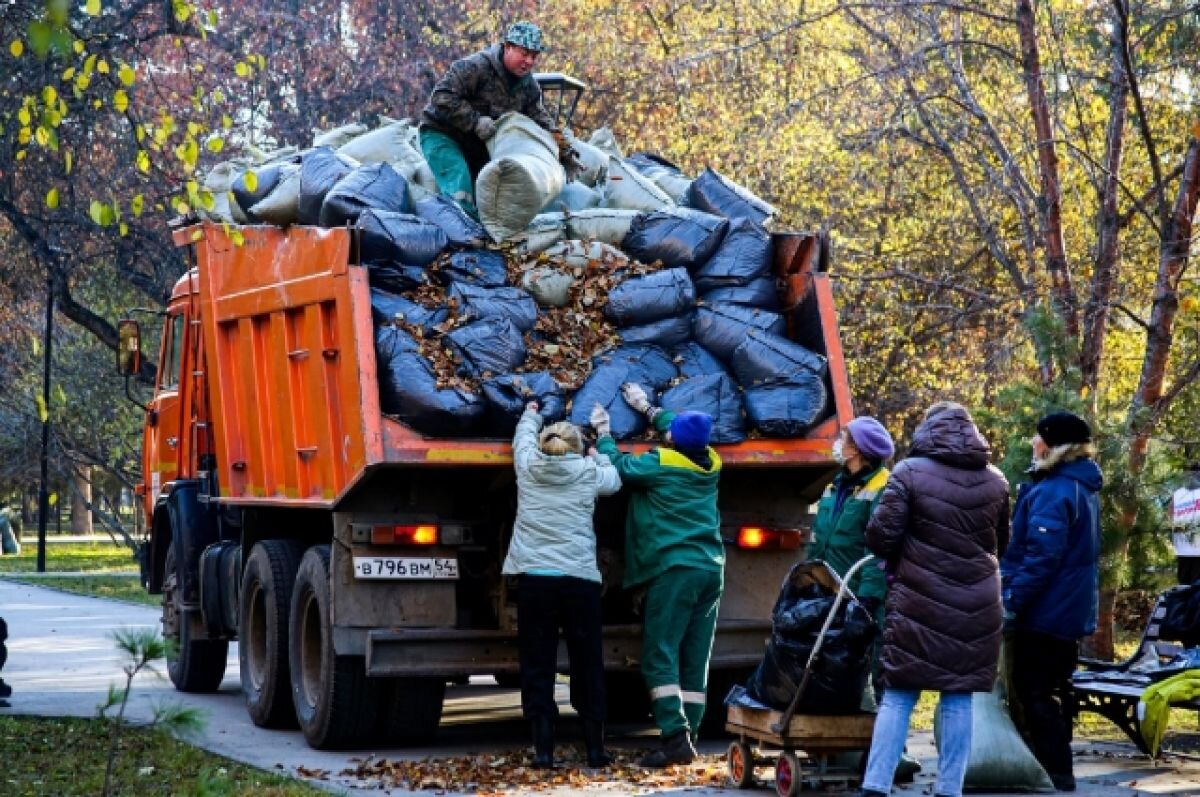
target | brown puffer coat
x=940, y=526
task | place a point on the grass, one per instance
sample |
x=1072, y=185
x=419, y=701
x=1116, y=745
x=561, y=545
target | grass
x=96, y=569
x=65, y=757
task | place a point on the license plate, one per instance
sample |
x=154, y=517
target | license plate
x=405, y=567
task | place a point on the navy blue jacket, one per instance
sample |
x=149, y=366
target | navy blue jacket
x=1051, y=570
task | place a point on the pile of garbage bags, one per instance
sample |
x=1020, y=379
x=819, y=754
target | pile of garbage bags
x=842, y=664
x=559, y=292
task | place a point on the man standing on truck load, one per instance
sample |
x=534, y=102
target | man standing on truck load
x=465, y=104
x=1051, y=576
x=673, y=548
x=553, y=555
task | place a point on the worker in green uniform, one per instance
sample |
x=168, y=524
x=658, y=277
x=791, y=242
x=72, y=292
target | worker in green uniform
x=673, y=548
x=468, y=101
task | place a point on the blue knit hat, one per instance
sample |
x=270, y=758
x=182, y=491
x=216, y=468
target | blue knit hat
x=691, y=430
x=870, y=438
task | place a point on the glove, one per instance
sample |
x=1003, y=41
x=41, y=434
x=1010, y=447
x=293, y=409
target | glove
x=485, y=127
x=635, y=397
x=531, y=406
x=599, y=420
x=572, y=165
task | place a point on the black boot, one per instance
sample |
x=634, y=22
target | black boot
x=543, y=742
x=593, y=740
x=675, y=749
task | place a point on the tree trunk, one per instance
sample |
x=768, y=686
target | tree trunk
x=81, y=499
x=1050, y=200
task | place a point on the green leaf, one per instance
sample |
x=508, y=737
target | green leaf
x=241, y=70
x=61, y=41
x=143, y=161
x=49, y=95
x=93, y=7
x=39, y=38
x=42, y=411
x=96, y=211
x=136, y=205
x=68, y=161
x=52, y=198
x=126, y=74
x=251, y=180
x=16, y=48
x=120, y=100
x=216, y=144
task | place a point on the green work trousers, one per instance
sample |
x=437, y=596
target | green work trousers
x=681, y=620
x=451, y=169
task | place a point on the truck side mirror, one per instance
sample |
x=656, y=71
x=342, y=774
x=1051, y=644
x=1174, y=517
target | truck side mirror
x=129, y=347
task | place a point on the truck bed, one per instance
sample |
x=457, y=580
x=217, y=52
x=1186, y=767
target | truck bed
x=292, y=371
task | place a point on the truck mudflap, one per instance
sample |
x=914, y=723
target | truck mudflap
x=451, y=652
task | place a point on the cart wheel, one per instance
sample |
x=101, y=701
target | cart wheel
x=787, y=774
x=739, y=760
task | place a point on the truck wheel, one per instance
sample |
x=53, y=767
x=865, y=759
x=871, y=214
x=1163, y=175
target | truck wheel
x=194, y=665
x=336, y=704
x=628, y=700
x=263, y=631
x=412, y=709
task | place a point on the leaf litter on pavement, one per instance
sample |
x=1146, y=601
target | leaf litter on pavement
x=488, y=775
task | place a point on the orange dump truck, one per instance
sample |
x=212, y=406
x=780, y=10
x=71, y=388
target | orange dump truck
x=357, y=562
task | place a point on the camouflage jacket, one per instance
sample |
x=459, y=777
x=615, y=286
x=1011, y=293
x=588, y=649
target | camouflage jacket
x=479, y=86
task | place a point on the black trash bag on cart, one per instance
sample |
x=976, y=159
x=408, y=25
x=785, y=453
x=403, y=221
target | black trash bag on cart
x=489, y=347
x=461, y=230
x=388, y=308
x=399, y=237
x=507, y=396
x=720, y=328
x=476, y=301
x=717, y=395
x=840, y=669
x=374, y=186
x=408, y=389
x=642, y=300
x=679, y=237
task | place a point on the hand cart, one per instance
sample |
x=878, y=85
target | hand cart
x=816, y=736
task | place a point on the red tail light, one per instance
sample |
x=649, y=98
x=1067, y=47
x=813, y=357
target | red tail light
x=404, y=535
x=757, y=538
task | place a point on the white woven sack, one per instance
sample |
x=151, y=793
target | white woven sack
x=339, y=135
x=581, y=254
x=544, y=231
x=575, y=196
x=392, y=143
x=673, y=184
x=549, y=287
x=627, y=188
x=522, y=176
x=218, y=182
x=609, y=225
x=603, y=139
x=282, y=205
x=594, y=160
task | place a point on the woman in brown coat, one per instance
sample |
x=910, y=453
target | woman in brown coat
x=940, y=526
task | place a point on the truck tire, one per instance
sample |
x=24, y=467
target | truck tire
x=336, y=704
x=628, y=700
x=263, y=631
x=412, y=709
x=194, y=665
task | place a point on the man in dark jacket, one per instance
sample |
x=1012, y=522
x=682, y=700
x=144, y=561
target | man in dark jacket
x=939, y=526
x=466, y=103
x=1051, y=576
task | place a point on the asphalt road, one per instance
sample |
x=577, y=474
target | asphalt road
x=62, y=661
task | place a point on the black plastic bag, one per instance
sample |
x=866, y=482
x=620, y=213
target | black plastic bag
x=475, y=266
x=266, y=180
x=475, y=302
x=694, y=360
x=375, y=186
x=1182, y=619
x=396, y=278
x=320, y=171
x=717, y=395
x=761, y=293
x=720, y=328
x=679, y=237
x=669, y=332
x=408, y=389
x=763, y=356
x=744, y=256
x=461, y=230
x=640, y=300
x=388, y=308
x=507, y=396
x=714, y=193
x=648, y=366
x=486, y=348
x=399, y=237
x=786, y=407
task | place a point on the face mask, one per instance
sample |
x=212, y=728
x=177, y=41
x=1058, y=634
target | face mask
x=838, y=455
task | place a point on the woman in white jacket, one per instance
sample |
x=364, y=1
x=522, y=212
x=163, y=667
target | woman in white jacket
x=553, y=555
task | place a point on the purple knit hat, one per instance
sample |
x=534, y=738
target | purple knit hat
x=870, y=438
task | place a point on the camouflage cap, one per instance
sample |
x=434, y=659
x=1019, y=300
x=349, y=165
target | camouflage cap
x=527, y=35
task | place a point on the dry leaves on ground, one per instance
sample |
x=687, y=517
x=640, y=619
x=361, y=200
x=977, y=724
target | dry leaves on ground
x=512, y=773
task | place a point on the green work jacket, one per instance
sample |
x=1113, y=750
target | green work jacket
x=840, y=538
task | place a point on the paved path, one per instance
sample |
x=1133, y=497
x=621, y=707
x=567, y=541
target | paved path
x=62, y=660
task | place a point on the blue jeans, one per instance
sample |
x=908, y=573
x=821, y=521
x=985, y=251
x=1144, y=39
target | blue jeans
x=891, y=730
